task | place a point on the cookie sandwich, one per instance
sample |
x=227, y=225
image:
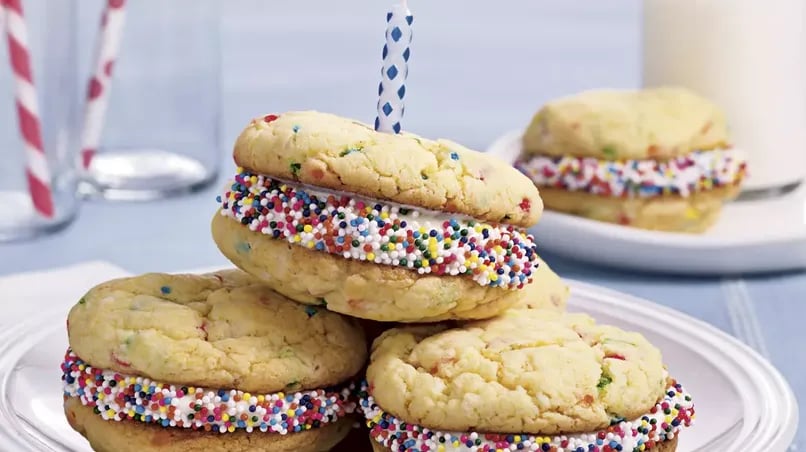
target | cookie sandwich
x=505, y=384
x=384, y=227
x=657, y=159
x=163, y=362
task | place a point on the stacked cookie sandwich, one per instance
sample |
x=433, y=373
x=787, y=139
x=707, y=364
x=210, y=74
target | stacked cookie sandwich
x=385, y=227
x=398, y=228
x=535, y=380
x=329, y=220
x=656, y=159
x=207, y=362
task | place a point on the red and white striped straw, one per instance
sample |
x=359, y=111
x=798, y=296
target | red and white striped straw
x=36, y=170
x=108, y=44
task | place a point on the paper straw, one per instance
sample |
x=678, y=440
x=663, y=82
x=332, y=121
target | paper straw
x=36, y=171
x=395, y=70
x=99, y=85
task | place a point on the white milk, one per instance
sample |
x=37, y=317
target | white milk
x=748, y=57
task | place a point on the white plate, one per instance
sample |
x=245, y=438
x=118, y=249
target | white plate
x=740, y=398
x=751, y=236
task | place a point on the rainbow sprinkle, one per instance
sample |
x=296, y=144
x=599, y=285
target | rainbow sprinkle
x=118, y=397
x=684, y=175
x=662, y=423
x=358, y=228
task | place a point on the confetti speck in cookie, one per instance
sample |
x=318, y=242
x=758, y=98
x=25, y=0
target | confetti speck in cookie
x=295, y=167
x=349, y=151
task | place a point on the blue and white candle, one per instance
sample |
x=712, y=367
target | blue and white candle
x=392, y=89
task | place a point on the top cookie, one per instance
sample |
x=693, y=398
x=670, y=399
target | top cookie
x=528, y=371
x=655, y=123
x=341, y=154
x=220, y=330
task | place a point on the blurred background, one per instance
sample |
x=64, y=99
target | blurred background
x=477, y=70
x=468, y=57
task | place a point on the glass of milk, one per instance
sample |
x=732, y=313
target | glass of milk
x=748, y=57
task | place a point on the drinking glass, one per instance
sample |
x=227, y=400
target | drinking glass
x=160, y=134
x=750, y=58
x=48, y=115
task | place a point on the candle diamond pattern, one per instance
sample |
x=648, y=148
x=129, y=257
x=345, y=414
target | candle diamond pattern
x=392, y=89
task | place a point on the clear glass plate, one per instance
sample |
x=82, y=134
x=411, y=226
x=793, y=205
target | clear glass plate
x=740, y=398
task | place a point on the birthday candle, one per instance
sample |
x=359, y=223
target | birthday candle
x=392, y=89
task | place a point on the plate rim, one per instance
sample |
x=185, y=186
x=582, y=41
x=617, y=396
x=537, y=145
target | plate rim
x=787, y=408
x=12, y=429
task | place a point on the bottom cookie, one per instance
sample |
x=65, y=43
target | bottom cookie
x=666, y=446
x=532, y=380
x=657, y=430
x=673, y=213
x=126, y=436
x=355, y=288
